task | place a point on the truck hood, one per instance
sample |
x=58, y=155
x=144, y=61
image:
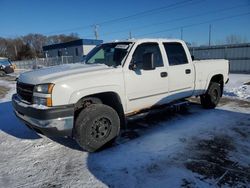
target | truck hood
x=51, y=74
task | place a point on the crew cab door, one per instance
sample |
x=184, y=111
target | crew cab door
x=145, y=88
x=181, y=71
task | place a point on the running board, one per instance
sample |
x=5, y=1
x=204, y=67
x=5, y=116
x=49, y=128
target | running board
x=176, y=106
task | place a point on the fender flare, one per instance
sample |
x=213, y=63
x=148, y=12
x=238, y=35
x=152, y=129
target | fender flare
x=210, y=75
x=77, y=95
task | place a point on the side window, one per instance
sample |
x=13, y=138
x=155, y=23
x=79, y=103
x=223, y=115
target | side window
x=176, y=53
x=147, y=48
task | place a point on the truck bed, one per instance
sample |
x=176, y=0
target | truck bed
x=205, y=69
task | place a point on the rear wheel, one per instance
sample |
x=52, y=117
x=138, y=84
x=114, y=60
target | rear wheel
x=96, y=126
x=212, y=96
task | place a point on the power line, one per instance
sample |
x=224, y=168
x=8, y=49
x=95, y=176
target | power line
x=195, y=24
x=172, y=6
x=67, y=30
x=173, y=20
x=136, y=15
x=133, y=16
x=143, y=13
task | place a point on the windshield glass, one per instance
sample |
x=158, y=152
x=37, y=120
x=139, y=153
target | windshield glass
x=110, y=54
x=4, y=62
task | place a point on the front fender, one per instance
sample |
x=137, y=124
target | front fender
x=77, y=95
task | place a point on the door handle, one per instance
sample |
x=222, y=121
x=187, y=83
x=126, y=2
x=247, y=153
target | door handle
x=188, y=71
x=164, y=74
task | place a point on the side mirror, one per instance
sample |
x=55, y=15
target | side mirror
x=192, y=57
x=132, y=66
x=148, y=61
x=83, y=58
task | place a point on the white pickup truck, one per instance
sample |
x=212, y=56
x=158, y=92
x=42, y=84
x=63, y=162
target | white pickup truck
x=91, y=100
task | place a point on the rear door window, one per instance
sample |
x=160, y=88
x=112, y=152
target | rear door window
x=175, y=53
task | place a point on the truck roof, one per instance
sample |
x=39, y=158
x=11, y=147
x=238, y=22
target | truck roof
x=149, y=40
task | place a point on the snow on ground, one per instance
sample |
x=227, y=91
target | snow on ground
x=8, y=86
x=190, y=148
x=9, y=83
x=238, y=86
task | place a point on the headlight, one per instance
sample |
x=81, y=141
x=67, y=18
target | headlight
x=42, y=94
x=44, y=88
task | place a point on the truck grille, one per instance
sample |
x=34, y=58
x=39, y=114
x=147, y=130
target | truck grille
x=25, y=91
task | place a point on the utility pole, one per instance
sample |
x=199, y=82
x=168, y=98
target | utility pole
x=209, y=35
x=181, y=33
x=15, y=50
x=96, y=31
x=130, y=35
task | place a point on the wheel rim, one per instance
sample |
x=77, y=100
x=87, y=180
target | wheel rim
x=101, y=128
x=214, y=95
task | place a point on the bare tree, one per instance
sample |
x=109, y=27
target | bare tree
x=54, y=39
x=30, y=45
x=36, y=42
x=3, y=47
x=26, y=52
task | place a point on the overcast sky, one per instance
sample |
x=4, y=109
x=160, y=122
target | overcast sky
x=115, y=18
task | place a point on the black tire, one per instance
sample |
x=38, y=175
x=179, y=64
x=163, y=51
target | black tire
x=96, y=126
x=87, y=102
x=2, y=73
x=212, y=96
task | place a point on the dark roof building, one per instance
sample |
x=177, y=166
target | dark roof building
x=75, y=49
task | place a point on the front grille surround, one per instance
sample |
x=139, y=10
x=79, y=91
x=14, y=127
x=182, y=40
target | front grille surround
x=25, y=91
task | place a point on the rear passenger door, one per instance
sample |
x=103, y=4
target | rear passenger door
x=180, y=71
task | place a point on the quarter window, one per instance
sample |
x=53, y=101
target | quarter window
x=175, y=53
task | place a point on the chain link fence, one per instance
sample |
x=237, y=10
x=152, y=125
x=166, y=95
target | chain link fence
x=44, y=62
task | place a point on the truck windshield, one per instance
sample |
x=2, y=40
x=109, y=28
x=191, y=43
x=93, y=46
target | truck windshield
x=110, y=54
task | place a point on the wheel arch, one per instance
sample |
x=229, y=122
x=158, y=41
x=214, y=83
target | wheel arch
x=109, y=98
x=217, y=78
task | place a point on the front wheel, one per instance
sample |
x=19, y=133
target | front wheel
x=212, y=97
x=96, y=125
x=2, y=73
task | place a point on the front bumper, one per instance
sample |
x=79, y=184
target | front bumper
x=51, y=121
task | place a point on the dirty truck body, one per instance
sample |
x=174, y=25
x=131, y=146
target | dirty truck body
x=91, y=100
